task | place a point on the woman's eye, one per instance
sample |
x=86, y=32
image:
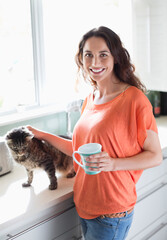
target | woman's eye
x=88, y=55
x=103, y=55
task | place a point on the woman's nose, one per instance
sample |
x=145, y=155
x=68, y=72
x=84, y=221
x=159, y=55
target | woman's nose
x=96, y=61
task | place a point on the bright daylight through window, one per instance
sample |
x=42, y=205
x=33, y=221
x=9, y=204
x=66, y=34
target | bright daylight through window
x=17, y=86
x=38, y=43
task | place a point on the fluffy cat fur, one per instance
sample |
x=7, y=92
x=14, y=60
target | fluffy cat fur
x=33, y=153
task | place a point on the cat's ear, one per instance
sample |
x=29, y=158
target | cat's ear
x=7, y=137
x=29, y=138
x=8, y=141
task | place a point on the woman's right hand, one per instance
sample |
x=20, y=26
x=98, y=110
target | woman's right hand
x=37, y=133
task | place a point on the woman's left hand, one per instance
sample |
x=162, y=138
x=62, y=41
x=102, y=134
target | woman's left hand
x=100, y=162
x=151, y=156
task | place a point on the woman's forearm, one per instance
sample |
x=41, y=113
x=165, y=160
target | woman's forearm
x=140, y=161
x=63, y=144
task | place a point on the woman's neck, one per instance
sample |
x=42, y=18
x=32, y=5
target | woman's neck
x=107, y=93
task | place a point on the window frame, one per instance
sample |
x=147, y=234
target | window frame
x=36, y=15
x=38, y=49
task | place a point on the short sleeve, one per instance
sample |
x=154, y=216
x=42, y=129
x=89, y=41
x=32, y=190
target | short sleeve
x=84, y=105
x=145, y=121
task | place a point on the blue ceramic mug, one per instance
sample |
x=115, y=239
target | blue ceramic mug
x=85, y=151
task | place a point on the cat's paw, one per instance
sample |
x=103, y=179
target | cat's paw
x=26, y=184
x=71, y=175
x=53, y=186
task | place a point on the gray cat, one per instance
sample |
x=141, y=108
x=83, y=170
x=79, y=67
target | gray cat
x=33, y=153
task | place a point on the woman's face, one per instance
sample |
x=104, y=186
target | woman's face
x=98, y=61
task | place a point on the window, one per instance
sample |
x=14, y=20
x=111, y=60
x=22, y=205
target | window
x=38, y=43
x=17, y=86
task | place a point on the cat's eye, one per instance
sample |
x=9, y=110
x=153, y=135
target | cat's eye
x=15, y=149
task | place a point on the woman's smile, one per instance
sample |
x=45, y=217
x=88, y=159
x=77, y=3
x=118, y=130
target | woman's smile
x=97, y=70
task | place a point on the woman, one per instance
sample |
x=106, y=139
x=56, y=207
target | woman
x=119, y=116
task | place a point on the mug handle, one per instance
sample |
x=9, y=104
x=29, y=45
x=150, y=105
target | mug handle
x=76, y=159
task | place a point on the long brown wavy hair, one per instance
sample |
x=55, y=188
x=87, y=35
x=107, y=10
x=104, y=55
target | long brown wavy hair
x=123, y=67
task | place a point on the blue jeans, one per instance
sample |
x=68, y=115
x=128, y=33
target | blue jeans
x=107, y=228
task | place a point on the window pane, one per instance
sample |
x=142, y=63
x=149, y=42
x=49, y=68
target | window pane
x=64, y=24
x=16, y=55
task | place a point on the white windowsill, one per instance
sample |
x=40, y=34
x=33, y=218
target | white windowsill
x=29, y=114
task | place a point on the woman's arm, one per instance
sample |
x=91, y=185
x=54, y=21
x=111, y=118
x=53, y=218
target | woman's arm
x=64, y=145
x=150, y=157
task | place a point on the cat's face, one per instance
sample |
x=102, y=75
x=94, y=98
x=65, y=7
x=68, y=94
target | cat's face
x=18, y=140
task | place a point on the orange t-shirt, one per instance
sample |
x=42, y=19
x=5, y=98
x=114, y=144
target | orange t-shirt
x=120, y=127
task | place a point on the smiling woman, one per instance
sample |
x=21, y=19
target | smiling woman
x=118, y=116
